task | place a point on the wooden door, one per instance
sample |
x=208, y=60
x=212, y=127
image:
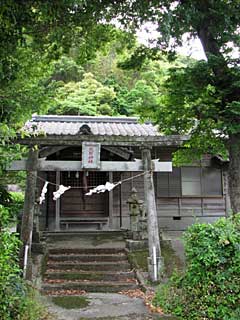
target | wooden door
x=75, y=203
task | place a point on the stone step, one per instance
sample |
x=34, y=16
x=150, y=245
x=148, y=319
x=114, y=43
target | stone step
x=91, y=261
x=76, y=235
x=88, y=257
x=90, y=276
x=86, y=251
x=91, y=266
x=89, y=286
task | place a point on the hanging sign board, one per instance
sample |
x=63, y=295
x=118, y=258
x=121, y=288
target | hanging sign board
x=91, y=155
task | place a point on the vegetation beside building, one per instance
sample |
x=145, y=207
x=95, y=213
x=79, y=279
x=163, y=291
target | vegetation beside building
x=209, y=289
x=18, y=300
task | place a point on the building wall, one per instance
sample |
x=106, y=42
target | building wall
x=175, y=212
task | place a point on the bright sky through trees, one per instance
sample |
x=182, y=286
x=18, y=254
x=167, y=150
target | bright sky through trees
x=148, y=35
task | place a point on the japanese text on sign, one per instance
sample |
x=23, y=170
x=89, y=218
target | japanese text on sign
x=91, y=155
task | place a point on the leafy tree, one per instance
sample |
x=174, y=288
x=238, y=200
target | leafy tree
x=87, y=97
x=53, y=28
x=33, y=34
x=66, y=69
x=203, y=98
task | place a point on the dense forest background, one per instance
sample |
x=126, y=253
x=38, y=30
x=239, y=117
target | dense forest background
x=118, y=77
x=77, y=57
x=81, y=57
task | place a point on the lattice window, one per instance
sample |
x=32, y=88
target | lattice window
x=51, y=176
x=96, y=178
x=75, y=179
x=72, y=178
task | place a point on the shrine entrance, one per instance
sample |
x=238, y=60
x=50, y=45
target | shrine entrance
x=131, y=145
x=75, y=203
x=76, y=210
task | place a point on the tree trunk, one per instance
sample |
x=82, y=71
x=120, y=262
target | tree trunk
x=223, y=79
x=234, y=171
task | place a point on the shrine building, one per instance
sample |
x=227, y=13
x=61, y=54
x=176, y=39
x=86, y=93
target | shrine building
x=83, y=152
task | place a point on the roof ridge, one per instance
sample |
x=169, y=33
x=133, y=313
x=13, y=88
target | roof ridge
x=104, y=119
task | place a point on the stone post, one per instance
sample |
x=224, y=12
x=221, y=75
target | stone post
x=134, y=213
x=155, y=260
x=28, y=210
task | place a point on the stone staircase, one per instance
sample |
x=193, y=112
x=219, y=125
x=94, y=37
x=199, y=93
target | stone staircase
x=71, y=270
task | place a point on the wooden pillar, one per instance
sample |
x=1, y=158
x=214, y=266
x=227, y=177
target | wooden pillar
x=57, y=207
x=110, y=202
x=155, y=261
x=28, y=212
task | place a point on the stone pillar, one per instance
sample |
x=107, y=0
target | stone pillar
x=143, y=223
x=134, y=213
x=155, y=260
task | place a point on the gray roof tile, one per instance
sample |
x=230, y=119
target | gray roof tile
x=109, y=126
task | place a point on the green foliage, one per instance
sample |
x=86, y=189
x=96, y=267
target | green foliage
x=12, y=291
x=8, y=150
x=32, y=307
x=16, y=204
x=5, y=197
x=66, y=69
x=201, y=99
x=13, y=202
x=50, y=28
x=209, y=289
x=18, y=301
x=27, y=92
x=189, y=103
x=87, y=97
x=36, y=39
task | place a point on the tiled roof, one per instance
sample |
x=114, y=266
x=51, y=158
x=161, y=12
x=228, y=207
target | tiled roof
x=101, y=125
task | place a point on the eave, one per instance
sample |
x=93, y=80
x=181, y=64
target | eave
x=124, y=141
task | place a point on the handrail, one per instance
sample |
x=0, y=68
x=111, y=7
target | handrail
x=27, y=249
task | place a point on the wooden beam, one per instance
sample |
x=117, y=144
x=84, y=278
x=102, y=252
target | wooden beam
x=28, y=209
x=113, y=166
x=47, y=151
x=124, y=141
x=153, y=233
x=121, y=152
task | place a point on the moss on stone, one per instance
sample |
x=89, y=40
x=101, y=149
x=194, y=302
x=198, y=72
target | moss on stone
x=137, y=316
x=79, y=276
x=71, y=302
x=44, y=264
x=171, y=260
x=138, y=259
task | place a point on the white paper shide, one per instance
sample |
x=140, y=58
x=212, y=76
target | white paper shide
x=57, y=194
x=108, y=186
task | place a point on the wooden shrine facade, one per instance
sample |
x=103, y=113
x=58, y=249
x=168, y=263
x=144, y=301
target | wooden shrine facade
x=127, y=148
